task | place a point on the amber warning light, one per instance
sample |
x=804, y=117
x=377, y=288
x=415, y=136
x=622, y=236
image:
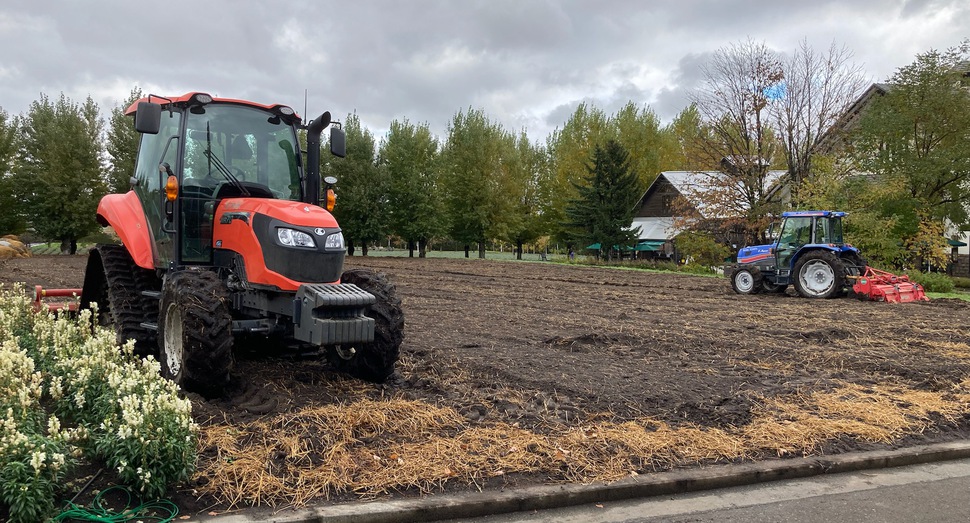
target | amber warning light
x=171, y=188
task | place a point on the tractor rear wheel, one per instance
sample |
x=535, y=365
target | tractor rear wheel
x=747, y=279
x=373, y=361
x=114, y=281
x=819, y=274
x=195, y=332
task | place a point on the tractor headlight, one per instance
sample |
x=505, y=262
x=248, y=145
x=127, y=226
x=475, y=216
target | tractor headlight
x=295, y=238
x=335, y=241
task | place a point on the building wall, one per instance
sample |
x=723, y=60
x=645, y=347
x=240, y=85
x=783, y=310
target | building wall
x=656, y=202
x=961, y=266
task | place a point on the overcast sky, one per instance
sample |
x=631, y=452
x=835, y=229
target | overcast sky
x=526, y=63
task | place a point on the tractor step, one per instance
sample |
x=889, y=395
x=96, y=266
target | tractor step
x=152, y=294
x=149, y=326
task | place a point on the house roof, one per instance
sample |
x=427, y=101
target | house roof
x=691, y=183
x=656, y=229
x=832, y=137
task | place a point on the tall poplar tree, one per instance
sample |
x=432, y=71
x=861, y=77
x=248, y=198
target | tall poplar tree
x=361, y=189
x=11, y=218
x=122, y=145
x=415, y=203
x=472, y=175
x=58, y=175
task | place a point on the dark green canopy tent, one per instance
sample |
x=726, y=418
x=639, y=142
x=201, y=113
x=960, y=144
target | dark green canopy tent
x=646, y=245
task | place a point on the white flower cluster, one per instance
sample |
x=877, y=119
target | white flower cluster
x=140, y=424
x=21, y=437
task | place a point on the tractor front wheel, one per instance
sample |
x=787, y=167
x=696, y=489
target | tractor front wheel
x=819, y=274
x=747, y=279
x=373, y=361
x=195, y=332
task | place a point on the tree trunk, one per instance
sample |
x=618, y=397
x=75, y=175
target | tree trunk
x=422, y=248
x=68, y=245
x=410, y=249
x=350, y=247
x=481, y=250
x=363, y=249
x=518, y=250
x=466, y=250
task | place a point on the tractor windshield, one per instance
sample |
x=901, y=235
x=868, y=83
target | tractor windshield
x=250, y=150
x=796, y=231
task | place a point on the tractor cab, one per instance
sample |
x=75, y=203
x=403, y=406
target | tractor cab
x=800, y=229
x=199, y=151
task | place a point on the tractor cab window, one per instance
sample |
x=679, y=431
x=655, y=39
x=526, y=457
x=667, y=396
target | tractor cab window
x=828, y=230
x=796, y=231
x=247, y=149
x=154, y=150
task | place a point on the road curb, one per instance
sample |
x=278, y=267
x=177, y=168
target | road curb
x=452, y=506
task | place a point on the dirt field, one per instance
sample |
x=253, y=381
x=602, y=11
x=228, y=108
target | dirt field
x=549, y=349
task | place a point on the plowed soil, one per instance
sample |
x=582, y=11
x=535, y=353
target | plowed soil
x=545, y=346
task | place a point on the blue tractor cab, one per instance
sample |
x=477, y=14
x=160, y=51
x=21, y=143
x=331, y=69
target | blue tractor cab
x=808, y=252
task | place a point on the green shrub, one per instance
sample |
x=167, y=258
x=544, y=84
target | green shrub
x=960, y=282
x=702, y=249
x=932, y=281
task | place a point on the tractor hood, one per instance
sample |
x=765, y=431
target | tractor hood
x=283, y=244
x=755, y=253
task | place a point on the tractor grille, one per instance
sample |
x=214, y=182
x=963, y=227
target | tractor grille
x=302, y=265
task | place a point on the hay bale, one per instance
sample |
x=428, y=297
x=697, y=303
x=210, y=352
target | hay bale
x=7, y=252
x=19, y=247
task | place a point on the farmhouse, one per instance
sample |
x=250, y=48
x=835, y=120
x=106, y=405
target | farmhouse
x=836, y=138
x=664, y=208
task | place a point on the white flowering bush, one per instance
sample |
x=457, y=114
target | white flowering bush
x=119, y=408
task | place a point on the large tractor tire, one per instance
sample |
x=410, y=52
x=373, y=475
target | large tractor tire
x=373, y=361
x=195, y=332
x=747, y=279
x=819, y=274
x=114, y=282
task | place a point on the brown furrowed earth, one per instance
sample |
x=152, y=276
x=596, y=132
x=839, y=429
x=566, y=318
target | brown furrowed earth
x=521, y=373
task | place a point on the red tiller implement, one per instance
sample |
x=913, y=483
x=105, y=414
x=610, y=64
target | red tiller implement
x=61, y=305
x=885, y=286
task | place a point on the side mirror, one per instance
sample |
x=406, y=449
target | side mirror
x=148, y=117
x=338, y=142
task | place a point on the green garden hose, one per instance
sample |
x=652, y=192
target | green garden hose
x=160, y=511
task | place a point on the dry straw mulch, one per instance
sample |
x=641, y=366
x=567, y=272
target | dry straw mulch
x=372, y=447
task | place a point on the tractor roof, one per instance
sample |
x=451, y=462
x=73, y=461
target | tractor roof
x=827, y=214
x=187, y=97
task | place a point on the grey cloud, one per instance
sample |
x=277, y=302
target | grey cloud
x=525, y=63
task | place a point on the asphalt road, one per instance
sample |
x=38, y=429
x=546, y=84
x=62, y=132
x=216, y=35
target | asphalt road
x=934, y=492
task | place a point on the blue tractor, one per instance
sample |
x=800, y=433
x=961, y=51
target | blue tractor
x=808, y=252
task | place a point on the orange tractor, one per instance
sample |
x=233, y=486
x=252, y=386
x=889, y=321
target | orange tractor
x=223, y=238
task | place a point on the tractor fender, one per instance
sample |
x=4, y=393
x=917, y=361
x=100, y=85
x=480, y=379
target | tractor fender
x=812, y=247
x=124, y=214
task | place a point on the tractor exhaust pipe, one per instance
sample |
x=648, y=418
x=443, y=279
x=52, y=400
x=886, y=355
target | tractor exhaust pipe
x=338, y=147
x=314, y=129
